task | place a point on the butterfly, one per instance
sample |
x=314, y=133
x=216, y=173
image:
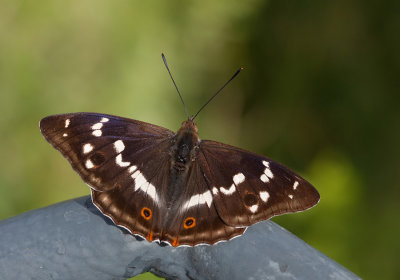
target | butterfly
x=172, y=187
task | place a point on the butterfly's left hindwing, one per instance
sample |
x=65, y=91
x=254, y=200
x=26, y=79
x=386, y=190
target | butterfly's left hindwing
x=248, y=188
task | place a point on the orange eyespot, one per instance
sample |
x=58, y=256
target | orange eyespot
x=146, y=213
x=189, y=222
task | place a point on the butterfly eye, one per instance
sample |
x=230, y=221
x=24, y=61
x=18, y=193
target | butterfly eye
x=189, y=222
x=146, y=213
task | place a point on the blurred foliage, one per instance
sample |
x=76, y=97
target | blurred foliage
x=320, y=93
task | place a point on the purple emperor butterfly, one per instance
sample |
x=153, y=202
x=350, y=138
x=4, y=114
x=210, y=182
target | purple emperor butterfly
x=173, y=187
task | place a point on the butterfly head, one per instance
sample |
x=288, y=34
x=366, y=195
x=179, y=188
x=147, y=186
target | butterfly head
x=189, y=126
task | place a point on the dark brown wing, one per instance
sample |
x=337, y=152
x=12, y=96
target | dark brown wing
x=88, y=140
x=124, y=161
x=248, y=188
x=194, y=219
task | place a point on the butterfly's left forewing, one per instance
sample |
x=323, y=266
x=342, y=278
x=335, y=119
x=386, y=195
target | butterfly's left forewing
x=248, y=188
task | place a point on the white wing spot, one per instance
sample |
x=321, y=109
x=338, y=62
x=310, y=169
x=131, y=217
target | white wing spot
x=215, y=190
x=140, y=180
x=229, y=191
x=295, y=185
x=134, y=175
x=290, y=196
x=118, y=160
x=103, y=120
x=132, y=168
x=238, y=178
x=119, y=146
x=65, y=134
x=67, y=122
x=89, y=164
x=87, y=148
x=268, y=172
x=202, y=198
x=97, y=126
x=142, y=184
x=207, y=198
x=194, y=200
x=151, y=191
x=97, y=133
x=264, y=196
x=264, y=178
x=253, y=208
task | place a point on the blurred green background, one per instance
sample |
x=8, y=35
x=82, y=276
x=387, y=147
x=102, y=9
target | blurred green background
x=320, y=93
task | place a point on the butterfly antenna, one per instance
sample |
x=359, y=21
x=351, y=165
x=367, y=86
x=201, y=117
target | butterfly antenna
x=215, y=94
x=169, y=72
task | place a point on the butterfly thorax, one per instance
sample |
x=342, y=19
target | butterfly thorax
x=185, y=146
x=183, y=152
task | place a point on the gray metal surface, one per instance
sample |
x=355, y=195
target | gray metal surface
x=73, y=240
